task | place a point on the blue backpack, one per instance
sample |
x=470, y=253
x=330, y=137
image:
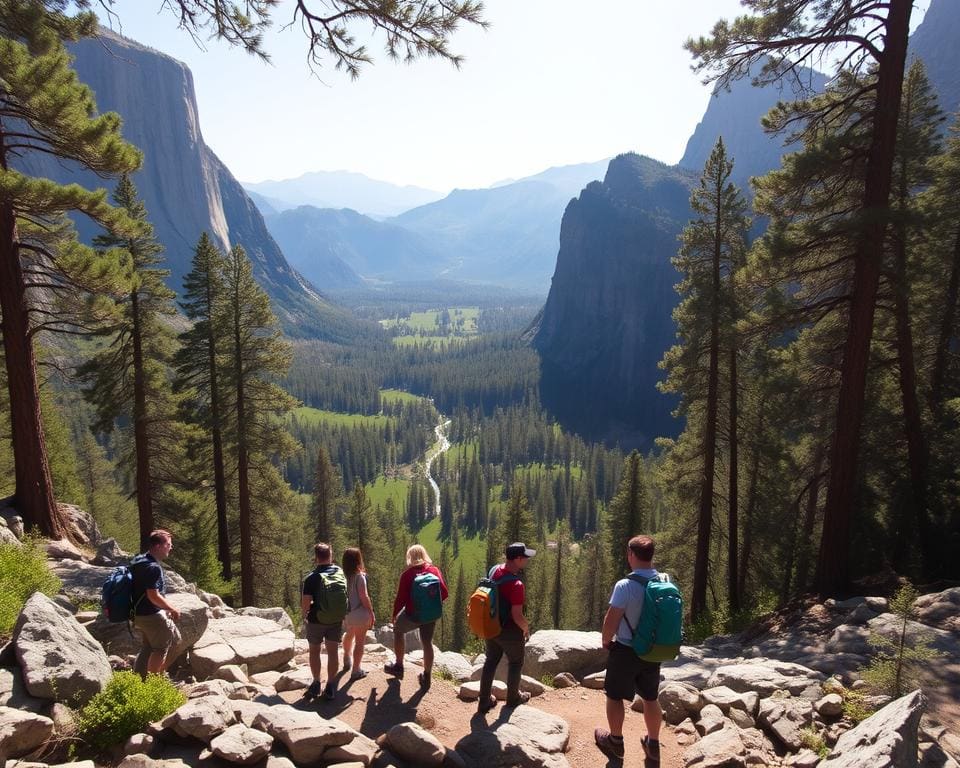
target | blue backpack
x=659, y=630
x=427, y=600
x=117, y=600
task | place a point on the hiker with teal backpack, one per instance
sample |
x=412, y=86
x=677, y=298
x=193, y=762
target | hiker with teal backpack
x=515, y=631
x=324, y=606
x=153, y=616
x=642, y=627
x=418, y=605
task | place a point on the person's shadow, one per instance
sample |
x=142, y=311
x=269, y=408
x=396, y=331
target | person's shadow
x=387, y=709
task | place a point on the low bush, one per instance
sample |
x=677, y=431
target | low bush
x=813, y=740
x=23, y=571
x=125, y=707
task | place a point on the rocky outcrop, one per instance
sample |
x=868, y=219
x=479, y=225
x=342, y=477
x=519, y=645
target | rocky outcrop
x=886, y=739
x=59, y=659
x=524, y=738
x=22, y=732
x=552, y=651
x=116, y=637
x=416, y=745
x=260, y=644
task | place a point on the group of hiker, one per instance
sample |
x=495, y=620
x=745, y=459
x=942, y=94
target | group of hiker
x=336, y=607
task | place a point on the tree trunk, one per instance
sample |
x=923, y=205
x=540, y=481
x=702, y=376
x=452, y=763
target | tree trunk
x=140, y=436
x=733, y=501
x=747, y=549
x=833, y=567
x=791, y=551
x=33, y=495
x=698, y=602
x=219, y=475
x=243, y=468
x=809, y=522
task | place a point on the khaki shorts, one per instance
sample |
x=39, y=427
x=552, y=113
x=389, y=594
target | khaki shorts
x=319, y=633
x=158, y=631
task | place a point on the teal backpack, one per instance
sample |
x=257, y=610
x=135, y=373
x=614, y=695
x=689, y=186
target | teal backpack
x=659, y=630
x=427, y=600
x=330, y=594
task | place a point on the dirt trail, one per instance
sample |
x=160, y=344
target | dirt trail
x=376, y=703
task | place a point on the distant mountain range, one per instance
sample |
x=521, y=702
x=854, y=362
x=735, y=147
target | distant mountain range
x=503, y=235
x=341, y=189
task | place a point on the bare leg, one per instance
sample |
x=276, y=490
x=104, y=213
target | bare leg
x=155, y=663
x=315, y=660
x=652, y=718
x=333, y=660
x=347, y=645
x=361, y=639
x=399, y=647
x=615, y=716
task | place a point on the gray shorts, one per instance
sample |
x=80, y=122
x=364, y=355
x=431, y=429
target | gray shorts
x=319, y=633
x=158, y=631
x=406, y=623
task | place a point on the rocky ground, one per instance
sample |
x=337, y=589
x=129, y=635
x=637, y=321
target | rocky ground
x=774, y=697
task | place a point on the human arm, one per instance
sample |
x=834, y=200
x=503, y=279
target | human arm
x=364, y=596
x=516, y=613
x=403, y=590
x=305, y=602
x=610, y=623
x=154, y=596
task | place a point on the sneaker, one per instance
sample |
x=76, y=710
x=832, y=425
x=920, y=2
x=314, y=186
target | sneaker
x=606, y=744
x=485, y=706
x=522, y=698
x=330, y=692
x=394, y=669
x=651, y=749
x=359, y=674
x=312, y=691
x=424, y=679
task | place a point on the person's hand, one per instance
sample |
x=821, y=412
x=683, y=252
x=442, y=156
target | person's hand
x=174, y=614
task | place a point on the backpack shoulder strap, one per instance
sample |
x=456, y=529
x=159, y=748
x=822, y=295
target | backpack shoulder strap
x=636, y=578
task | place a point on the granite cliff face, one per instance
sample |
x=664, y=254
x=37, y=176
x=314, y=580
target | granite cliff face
x=607, y=319
x=935, y=42
x=186, y=188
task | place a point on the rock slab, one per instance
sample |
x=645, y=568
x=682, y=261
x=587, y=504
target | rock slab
x=886, y=739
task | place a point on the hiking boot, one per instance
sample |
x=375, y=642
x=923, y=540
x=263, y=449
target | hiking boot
x=394, y=669
x=330, y=692
x=485, y=706
x=424, y=679
x=651, y=749
x=522, y=698
x=359, y=674
x=607, y=745
x=312, y=692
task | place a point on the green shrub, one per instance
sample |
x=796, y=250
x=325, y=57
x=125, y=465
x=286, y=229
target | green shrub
x=813, y=740
x=23, y=571
x=125, y=707
x=855, y=706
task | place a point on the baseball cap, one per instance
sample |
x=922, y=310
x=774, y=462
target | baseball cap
x=519, y=549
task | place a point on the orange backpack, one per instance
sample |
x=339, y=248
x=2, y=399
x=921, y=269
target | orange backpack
x=485, y=610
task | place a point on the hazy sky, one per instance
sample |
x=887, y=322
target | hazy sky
x=551, y=82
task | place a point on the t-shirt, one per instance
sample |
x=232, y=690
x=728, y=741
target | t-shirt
x=353, y=589
x=404, y=598
x=310, y=588
x=147, y=575
x=628, y=595
x=512, y=592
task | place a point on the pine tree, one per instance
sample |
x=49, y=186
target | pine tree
x=128, y=378
x=628, y=513
x=44, y=108
x=326, y=489
x=517, y=521
x=712, y=249
x=256, y=356
x=777, y=38
x=198, y=370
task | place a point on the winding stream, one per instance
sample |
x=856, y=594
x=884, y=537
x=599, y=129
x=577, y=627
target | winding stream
x=442, y=444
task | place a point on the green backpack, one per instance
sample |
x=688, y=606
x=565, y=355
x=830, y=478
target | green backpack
x=659, y=630
x=330, y=594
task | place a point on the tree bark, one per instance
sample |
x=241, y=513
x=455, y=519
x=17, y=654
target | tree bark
x=243, y=468
x=733, y=501
x=216, y=419
x=833, y=567
x=140, y=431
x=33, y=495
x=750, y=511
x=809, y=522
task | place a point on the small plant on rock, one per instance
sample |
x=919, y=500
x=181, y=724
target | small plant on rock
x=23, y=571
x=126, y=706
x=813, y=740
x=897, y=667
x=855, y=707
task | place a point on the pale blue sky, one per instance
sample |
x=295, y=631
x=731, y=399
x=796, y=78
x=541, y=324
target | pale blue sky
x=551, y=82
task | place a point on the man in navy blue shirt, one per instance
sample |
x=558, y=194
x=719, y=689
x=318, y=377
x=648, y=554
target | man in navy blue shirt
x=627, y=674
x=153, y=616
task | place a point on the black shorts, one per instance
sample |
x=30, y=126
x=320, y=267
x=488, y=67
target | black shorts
x=629, y=675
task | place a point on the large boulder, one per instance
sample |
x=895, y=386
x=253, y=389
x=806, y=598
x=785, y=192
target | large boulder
x=202, y=718
x=276, y=615
x=59, y=658
x=785, y=718
x=551, y=651
x=411, y=640
x=722, y=748
x=242, y=745
x=13, y=693
x=940, y=610
x=82, y=528
x=679, y=701
x=118, y=639
x=305, y=734
x=417, y=746
x=766, y=677
x=22, y=732
x=526, y=738
x=886, y=739
x=110, y=554
x=259, y=643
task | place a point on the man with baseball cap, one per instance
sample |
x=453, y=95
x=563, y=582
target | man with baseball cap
x=516, y=630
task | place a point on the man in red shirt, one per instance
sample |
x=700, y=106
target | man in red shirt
x=516, y=630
